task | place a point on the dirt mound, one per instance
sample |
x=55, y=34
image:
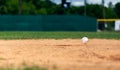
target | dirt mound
x=62, y=54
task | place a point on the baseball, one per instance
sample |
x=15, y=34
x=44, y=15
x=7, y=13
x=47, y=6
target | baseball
x=84, y=39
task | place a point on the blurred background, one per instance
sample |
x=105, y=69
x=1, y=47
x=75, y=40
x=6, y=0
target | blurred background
x=92, y=8
x=100, y=9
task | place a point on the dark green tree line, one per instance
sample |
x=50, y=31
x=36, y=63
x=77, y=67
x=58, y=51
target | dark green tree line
x=117, y=9
x=46, y=7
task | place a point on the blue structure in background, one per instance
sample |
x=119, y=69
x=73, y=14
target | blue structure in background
x=47, y=23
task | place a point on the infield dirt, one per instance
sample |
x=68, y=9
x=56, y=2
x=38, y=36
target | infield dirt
x=62, y=54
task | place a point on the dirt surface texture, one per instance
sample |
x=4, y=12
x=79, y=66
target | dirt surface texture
x=62, y=54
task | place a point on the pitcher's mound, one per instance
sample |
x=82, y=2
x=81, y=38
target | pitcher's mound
x=62, y=54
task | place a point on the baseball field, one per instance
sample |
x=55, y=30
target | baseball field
x=59, y=51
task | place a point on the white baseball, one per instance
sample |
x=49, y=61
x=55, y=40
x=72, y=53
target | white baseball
x=84, y=39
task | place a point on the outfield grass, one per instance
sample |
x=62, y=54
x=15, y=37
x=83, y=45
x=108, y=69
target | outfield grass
x=58, y=35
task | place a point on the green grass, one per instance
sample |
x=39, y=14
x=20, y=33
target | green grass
x=58, y=35
x=24, y=68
